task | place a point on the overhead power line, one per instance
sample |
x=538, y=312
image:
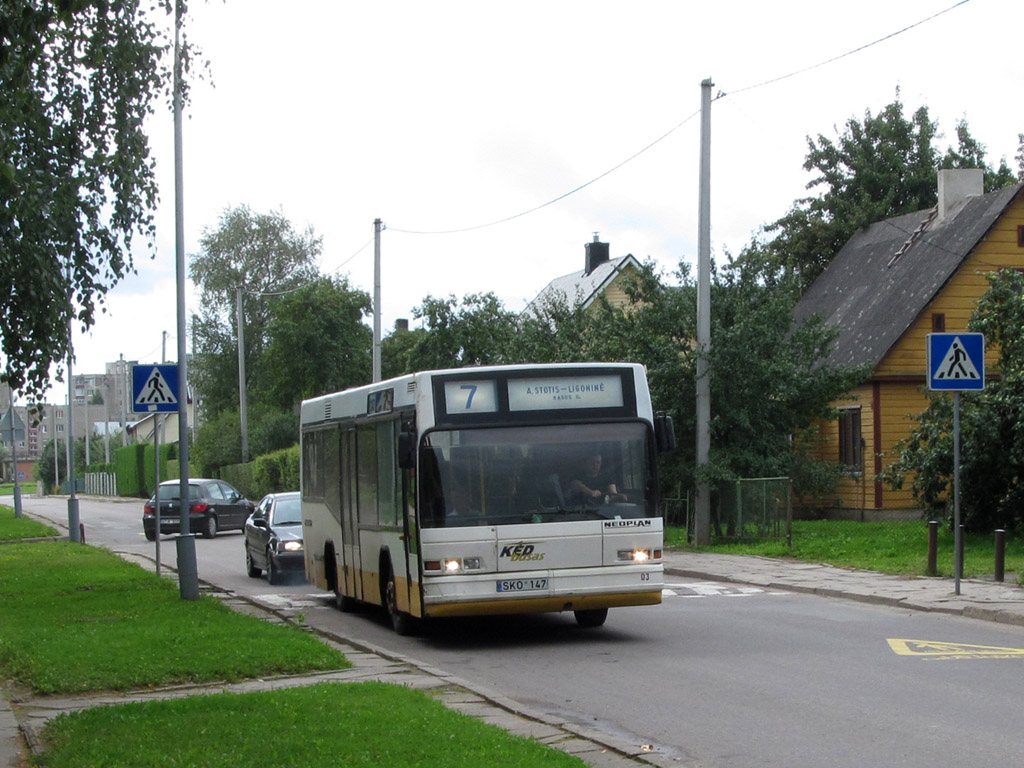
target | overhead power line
x=668, y=133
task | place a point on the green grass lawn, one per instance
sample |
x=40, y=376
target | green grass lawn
x=78, y=619
x=331, y=724
x=23, y=527
x=890, y=547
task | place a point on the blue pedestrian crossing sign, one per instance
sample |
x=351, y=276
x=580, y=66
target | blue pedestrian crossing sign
x=154, y=388
x=956, y=361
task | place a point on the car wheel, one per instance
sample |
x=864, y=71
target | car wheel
x=401, y=622
x=250, y=568
x=210, y=527
x=593, y=618
x=273, y=574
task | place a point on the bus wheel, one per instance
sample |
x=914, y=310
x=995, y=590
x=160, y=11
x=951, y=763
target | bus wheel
x=593, y=618
x=402, y=622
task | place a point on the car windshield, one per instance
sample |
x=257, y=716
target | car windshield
x=173, y=492
x=287, y=511
x=535, y=474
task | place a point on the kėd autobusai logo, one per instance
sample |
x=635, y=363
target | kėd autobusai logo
x=521, y=552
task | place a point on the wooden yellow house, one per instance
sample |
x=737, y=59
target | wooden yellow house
x=601, y=276
x=893, y=283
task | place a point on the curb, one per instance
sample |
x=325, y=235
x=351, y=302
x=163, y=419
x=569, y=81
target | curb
x=997, y=615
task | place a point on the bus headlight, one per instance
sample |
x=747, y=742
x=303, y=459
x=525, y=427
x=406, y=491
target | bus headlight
x=634, y=555
x=453, y=564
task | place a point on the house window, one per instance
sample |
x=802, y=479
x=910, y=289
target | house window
x=1020, y=235
x=938, y=322
x=850, y=441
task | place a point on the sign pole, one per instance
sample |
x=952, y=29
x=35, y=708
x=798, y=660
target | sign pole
x=958, y=539
x=956, y=363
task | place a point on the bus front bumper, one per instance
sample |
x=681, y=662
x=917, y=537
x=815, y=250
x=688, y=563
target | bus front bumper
x=578, y=589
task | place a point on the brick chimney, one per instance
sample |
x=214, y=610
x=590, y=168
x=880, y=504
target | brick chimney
x=597, y=254
x=955, y=186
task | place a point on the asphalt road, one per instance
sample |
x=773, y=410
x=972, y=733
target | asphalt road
x=717, y=676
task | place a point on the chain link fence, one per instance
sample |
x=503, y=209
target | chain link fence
x=763, y=509
x=749, y=509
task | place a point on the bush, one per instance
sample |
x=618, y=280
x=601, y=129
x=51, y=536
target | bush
x=129, y=466
x=277, y=471
x=240, y=476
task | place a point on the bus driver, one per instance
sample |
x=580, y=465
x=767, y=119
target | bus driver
x=594, y=486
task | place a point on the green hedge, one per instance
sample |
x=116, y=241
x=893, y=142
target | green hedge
x=133, y=465
x=271, y=473
x=240, y=476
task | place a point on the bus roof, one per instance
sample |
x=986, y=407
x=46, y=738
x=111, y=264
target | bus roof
x=403, y=391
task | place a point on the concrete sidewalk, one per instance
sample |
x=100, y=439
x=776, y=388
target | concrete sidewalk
x=978, y=598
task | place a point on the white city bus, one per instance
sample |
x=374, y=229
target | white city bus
x=474, y=491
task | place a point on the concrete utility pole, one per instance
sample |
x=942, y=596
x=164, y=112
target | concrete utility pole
x=74, y=521
x=13, y=436
x=378, y=227
x=243, y=408
x=188, y=570
x=702, y=507
x=122, y=376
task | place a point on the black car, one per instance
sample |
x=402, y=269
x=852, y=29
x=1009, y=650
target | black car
x=213, y=506
x=273, y=537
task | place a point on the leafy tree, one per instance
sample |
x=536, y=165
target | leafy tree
x=77, y=184
x=218, y=443
x=781, y=391
x=880, y=167
x=44, y=469
x=477, y=331
x=991, y=425
x=264, y=256
x=397, y=351
x=317, y=342
x=766, y=382
x=219, y=440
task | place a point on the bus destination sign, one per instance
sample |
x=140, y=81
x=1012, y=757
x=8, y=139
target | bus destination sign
x=569, y=392
x=471, y=396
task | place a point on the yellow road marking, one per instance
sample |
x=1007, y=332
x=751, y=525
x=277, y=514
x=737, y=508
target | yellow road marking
x=935, y=649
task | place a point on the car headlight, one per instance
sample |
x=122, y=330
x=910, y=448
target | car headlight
x=292, y=546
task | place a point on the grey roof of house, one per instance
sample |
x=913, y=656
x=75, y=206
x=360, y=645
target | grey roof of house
x=889, y=272
x=580, y=289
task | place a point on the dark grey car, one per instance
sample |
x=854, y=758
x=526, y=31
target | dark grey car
x=214, y=505
x=273, y=537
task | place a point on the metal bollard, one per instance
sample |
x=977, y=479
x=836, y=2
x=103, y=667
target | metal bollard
x=1000, y=554
x=933, y=548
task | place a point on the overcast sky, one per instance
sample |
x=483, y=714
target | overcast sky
x=451, y=115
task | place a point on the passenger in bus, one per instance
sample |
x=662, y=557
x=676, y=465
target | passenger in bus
x=594, y=485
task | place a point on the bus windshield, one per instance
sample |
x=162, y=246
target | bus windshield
x=536, y=474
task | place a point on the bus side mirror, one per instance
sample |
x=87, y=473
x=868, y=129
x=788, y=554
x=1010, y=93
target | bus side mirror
x=406, y=450
x=664, y=432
